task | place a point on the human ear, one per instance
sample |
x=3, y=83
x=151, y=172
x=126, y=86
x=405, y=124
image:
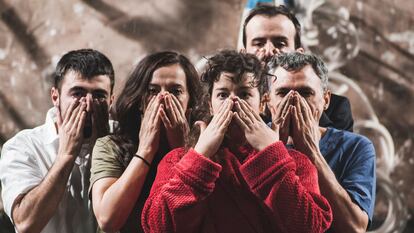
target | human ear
x=327, y=99
x=300, y=50
x=55, y=96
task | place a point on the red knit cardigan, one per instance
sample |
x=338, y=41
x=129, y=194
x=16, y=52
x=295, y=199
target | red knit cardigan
x=273, y=190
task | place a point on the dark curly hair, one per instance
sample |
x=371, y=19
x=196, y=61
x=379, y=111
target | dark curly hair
x=233, y=62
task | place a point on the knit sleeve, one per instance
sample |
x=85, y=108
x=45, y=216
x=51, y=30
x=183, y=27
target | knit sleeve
x=176, y=202
x=292, y=197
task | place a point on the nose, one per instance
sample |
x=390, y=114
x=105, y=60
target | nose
x=270, y=49
x=89, y=101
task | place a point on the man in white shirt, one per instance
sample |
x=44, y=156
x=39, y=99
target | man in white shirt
x=44, y=171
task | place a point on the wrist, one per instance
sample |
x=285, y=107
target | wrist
x=66, y=158
x=201, y=151
x=147, y=154
x=317, y=158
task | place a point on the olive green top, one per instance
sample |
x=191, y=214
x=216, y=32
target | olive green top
x=106, y=162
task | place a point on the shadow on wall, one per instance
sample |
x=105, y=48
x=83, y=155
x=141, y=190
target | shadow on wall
x=155, y=36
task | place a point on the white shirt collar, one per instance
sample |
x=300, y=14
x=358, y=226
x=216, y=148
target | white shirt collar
x=50, y=123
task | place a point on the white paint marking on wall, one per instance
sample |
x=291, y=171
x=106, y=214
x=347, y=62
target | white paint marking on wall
x=3, y=54
x=388, y=57
x=52, y=32
x=12, y=81
x=33, y=66
x=359, y=5
x=403, y=37
x=78, y=8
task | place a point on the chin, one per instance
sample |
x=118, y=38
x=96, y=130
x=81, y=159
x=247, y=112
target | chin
x=235, y=133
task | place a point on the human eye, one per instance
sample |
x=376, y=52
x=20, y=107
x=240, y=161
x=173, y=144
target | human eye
x=77, y=93
x=153, y=91
x=280, y=43
x=306, y=93
x=258, y=43
x=176, y=92
x=244, y=95
x=100, y=96
x=281, y=93
x=222, y=95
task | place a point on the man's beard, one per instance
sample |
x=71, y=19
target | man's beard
x=88, y=128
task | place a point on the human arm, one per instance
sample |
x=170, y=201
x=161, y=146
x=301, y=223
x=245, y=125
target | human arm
x=33, y=208
x=348, y=216
x=179, y=193
x=272, y=175
x=115, y=191
x=184, y=182
x=295, y=203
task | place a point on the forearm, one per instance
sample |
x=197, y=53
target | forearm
x=36, y=208
x=347, y=216
x=178, y=193
x=279, y=186
x=117, y=202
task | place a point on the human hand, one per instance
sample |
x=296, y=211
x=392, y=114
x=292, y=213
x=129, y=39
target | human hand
x=211, y=136
x=175, y=121
x=70, y=128
x=100, y=118
x=306, y=134
x=257, y=133
x=281, y=116
x=149, y=133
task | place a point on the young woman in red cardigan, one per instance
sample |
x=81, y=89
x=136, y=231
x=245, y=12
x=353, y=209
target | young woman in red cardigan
x=237, y=176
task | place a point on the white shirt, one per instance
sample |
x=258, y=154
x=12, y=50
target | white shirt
x=26, y=159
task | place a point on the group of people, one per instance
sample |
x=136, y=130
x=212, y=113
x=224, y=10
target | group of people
x=256, y=143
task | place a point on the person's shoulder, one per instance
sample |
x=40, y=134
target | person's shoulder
x=345, y=135
x=339, y=99
x=108, y=139
x=106, y=146
x=356, y=142
x=355, y=137
x=26, y=137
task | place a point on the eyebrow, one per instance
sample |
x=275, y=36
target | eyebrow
x=284, y=89
x=98, y=90
x=175, y=85
x=278, y=38
x=240, y=88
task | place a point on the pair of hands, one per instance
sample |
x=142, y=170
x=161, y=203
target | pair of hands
x=166, y=109
x=72, y=129
x=256, y=132
x=294, y=117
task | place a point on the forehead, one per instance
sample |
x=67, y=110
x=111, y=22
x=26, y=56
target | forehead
x=305, y=77
x=227, y=80
x=274, y=26
x=75, y=79
x=169, y=74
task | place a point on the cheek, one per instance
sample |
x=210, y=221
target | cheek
x=184, y=100
x=215, y=105
x=255, y=104
x=274, y=101
x=315, y=105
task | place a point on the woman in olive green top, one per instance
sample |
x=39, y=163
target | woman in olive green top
x=159, y=97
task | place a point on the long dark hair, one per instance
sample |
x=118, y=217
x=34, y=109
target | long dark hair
x=129, y=106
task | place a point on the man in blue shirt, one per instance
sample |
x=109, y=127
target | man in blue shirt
x=345, y=161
